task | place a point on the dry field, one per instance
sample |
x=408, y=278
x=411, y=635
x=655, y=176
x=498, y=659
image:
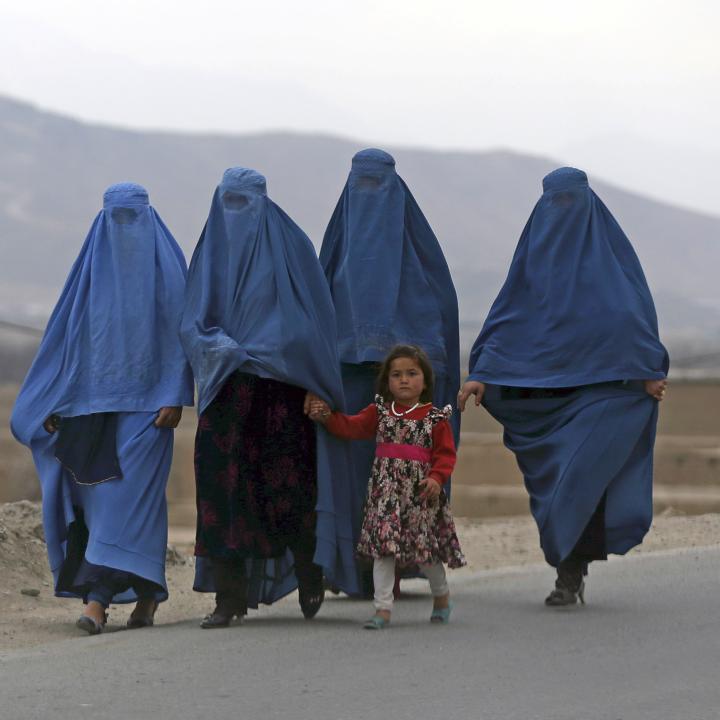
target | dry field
x=487, y=482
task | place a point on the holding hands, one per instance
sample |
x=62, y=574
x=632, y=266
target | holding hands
x=316, y=408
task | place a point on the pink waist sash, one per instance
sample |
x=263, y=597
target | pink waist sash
x=403, y=452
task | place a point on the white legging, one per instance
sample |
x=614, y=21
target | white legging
x=384, y=581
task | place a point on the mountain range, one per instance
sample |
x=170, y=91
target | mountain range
x=53, y=170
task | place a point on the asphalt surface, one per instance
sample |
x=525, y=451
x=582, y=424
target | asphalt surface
x=647, y=645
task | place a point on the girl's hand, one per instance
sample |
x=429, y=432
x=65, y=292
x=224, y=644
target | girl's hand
x=431, y=488
x=319, y=411
x=52, y=424
x=168, y=417
x=656, y=388
x=471, y=387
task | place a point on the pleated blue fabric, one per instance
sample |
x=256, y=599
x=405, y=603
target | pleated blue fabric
x=575, y=307
x=564, y=353
x=257, y=301
x=111, y=344
x=256, y=298
x=387, y=273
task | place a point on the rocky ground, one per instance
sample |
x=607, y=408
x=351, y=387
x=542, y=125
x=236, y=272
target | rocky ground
x=30, y=615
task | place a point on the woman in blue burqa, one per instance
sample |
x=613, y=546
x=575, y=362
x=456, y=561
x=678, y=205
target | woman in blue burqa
x=98, y=408
x=570, y=362
x=391, y=286
x=259, y=331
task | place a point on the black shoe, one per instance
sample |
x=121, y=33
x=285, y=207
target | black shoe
x=230, y=595
x=218, y=619
x=311, y=587
x=310, y=603
x=142, y=621
x=332, y=588
x=570, y=585
x=562, y=596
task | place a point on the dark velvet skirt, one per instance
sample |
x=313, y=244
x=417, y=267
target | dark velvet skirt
x=255, y=471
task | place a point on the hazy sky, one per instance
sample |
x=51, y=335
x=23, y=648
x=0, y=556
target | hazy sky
x=627, y=89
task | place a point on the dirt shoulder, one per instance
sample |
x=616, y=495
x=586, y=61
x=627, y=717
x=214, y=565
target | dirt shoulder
x=31, y=615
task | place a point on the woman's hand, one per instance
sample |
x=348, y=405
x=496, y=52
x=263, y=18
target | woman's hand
x=471, y=387
x=168, y=417
x=310, y=398
x=52, y=424
x=430, y=488
x=656, y=388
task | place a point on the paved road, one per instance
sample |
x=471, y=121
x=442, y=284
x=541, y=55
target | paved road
x=647, y=646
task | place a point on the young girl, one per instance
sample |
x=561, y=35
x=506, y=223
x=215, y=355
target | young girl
x=407, y=517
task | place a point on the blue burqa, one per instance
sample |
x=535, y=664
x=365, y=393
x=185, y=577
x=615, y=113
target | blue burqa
x=257, y=301
x=575, y=312
x=390, y=285
x=111, y=345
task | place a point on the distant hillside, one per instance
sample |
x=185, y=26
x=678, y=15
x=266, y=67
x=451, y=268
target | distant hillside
x=53, y=171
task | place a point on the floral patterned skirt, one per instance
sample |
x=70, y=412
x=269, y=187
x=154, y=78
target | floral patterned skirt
x=255, y=471
x=398, y=522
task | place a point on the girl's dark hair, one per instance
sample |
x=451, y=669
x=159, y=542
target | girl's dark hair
x=414, y=353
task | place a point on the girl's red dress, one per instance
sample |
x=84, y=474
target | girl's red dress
x=397, y=521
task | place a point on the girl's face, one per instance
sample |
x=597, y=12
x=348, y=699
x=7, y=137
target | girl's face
x=406, y=381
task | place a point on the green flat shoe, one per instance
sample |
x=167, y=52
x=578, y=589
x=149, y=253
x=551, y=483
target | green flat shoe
x=441, y=616
x=376, y=623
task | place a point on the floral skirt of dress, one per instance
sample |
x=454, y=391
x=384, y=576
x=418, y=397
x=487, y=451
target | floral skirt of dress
x=397, y=522
x=255, y=471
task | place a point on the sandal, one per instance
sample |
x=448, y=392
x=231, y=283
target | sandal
x=140, y=621
x=90, y=625
x=230, y=594
x=376, y=622
x=218, y=619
